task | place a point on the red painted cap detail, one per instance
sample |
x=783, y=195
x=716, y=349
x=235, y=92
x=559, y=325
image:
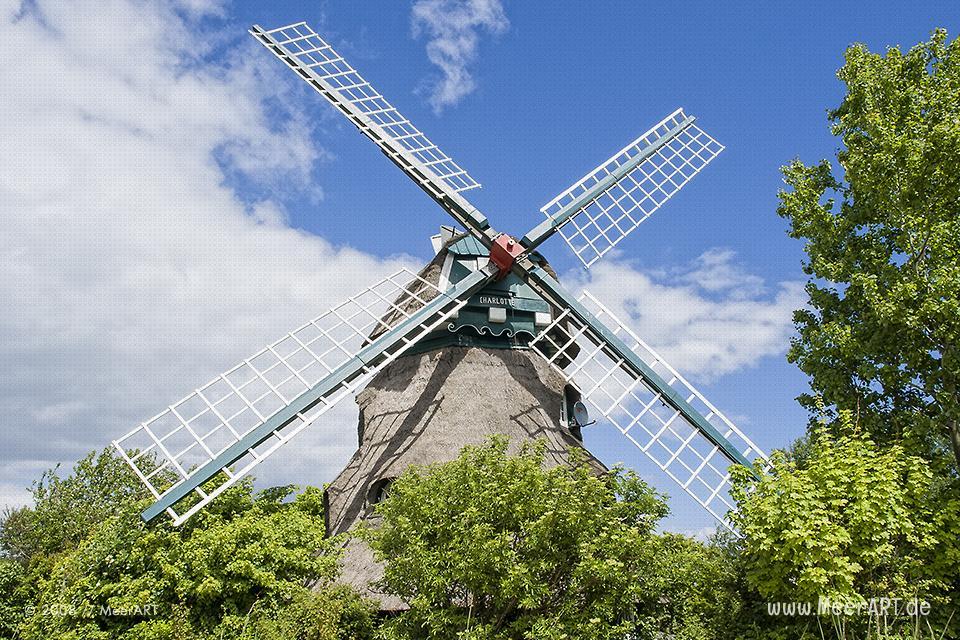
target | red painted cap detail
x=504, y=253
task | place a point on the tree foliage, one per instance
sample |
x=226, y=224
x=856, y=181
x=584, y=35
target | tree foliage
x=698, y=591
x=881, y=337
x=66, y=509
x=856, y=521
x=489, y=546
x=239, y=570
x=495, y=546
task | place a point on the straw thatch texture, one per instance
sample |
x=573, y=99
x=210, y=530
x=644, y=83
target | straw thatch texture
x=423, y=409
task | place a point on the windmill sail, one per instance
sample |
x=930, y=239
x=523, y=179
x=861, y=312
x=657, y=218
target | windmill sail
x=635, y=389
x=203, y=444
x=608, y=203
x=317, y=63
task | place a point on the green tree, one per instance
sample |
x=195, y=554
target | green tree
x=335, y=613
x=66, y=509
x=855, y=521
x=13, y=597
x=494, y=546
x=697, y=587
x=240, y=569
x=881, y=337
x=83, y=565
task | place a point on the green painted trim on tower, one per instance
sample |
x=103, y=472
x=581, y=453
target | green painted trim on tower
x=462, y=339
x=468, y=245
x=487, y=299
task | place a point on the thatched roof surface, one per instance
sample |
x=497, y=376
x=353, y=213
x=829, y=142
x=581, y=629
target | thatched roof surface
x=424, y=408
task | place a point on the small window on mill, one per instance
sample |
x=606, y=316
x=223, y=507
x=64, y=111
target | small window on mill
x=378, y=491
x=570, y=397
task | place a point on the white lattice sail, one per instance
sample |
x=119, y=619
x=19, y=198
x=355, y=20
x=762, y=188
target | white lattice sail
x=640, y=413
x=172, y=446
x=312, y=57
x=670, y=154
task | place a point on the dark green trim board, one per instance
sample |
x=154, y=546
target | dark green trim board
x=438, y=341
x=468, y=246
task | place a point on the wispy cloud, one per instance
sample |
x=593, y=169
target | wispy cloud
x=132, y=269
x=703, y=534
x=716, y=271
x=452, y=29
x=707, y=318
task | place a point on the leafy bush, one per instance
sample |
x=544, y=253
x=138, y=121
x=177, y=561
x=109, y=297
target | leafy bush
x=696, y=583
x=495, y=546
x=336, y=613
x=241, y=569
x=855, y=522
x=67, y=509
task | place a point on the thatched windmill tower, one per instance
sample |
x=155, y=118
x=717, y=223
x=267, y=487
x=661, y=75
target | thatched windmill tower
x=470, y=379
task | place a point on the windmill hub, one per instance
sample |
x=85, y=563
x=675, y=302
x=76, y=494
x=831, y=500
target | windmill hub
x=504, y=254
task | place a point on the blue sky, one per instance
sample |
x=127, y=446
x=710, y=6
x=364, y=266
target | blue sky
x=176, y=200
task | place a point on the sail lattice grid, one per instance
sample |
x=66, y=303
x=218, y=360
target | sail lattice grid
x=299, y=46
x=170, y=447
x=676, y=150
x=675, y=445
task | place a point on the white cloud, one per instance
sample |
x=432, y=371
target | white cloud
x=452, y=29
x=58, y=412
x=13, y=496
x=715, y=271
x=707, y=318
x=16, y=477
x=703, y=534
x=132, y=270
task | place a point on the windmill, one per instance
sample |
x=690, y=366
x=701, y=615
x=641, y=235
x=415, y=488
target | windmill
x=488, y=298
